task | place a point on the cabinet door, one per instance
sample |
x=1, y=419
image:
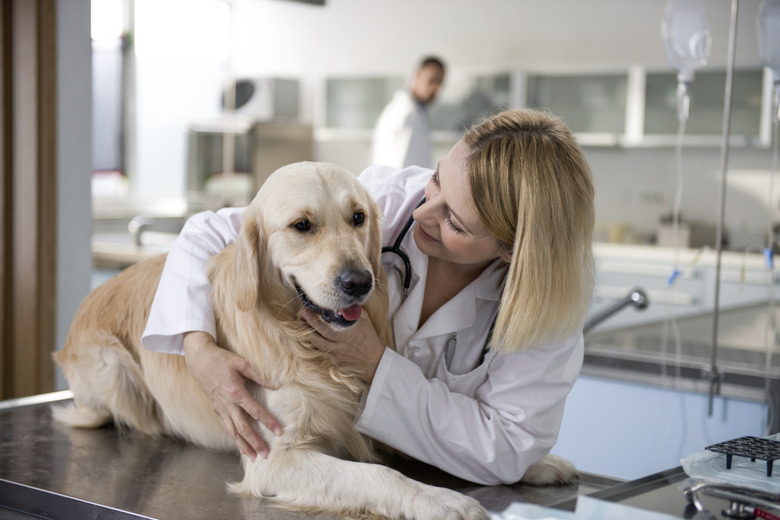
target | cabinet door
x=355, y=102
x=588, y=103
x=706, y=105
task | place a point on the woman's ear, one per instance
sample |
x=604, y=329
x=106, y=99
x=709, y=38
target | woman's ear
x=249, y=248
x=505, y=254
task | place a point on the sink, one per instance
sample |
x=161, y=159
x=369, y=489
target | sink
x=644, y=353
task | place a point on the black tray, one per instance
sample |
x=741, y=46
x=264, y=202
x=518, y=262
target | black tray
x=753, y=447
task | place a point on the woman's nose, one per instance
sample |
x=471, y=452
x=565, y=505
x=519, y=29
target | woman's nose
x=427, y=212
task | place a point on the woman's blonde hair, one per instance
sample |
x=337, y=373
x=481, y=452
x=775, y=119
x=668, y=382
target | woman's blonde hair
x=533, y=191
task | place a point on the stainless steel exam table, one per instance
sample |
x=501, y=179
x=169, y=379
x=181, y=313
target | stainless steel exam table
x=54, y=472
x=48, y=470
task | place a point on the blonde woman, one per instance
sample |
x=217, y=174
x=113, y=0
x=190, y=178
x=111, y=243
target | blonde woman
x=488, y=333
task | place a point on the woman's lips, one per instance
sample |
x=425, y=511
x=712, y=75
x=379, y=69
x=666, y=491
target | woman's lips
x=425, y=235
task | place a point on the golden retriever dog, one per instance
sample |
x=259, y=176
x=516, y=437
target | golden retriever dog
x=310, y=237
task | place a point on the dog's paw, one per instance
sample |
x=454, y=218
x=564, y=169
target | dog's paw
x=552, y=470
x=446, y=504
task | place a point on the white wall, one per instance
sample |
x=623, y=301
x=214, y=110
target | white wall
x=386, y=37
x=381, y=36
x=634, y=186
x=181, y=48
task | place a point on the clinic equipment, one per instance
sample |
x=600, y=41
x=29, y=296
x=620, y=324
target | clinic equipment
x=744, y=502
x=755, y=448
x=685, y=30
x=686, y=33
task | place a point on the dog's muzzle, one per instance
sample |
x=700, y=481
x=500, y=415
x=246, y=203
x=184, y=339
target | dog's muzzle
x=345, y=317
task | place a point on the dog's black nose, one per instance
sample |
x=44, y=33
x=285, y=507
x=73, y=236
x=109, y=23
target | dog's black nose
x=355, y=283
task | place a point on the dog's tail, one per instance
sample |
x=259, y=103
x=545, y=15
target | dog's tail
x=80, y=416
x=107, y=383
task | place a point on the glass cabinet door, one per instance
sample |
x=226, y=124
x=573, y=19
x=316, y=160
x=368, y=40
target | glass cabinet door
x=355, y=103
x=706, y=106
x=478, y=96
x=588, y=103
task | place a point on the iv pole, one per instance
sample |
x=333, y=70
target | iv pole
x=715, y=376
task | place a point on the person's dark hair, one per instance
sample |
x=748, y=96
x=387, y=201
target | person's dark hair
x=432, y=60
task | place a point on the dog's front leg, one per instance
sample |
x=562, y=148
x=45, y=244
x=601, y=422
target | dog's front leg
x=310, y=480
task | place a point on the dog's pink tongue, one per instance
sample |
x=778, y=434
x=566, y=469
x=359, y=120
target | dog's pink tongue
x=352, y=313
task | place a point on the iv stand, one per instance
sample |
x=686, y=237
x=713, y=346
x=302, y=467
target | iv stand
x=715, y=376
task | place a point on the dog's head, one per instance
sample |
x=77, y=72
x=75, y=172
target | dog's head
x=312, y=230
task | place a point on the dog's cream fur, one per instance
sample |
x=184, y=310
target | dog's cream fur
x=302, y=228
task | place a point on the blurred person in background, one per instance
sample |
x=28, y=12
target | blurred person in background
x=402, y=136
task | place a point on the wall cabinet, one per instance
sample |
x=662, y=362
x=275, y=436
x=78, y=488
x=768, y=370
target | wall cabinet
x=588, y=103
x=624, y=107
x=706, y=107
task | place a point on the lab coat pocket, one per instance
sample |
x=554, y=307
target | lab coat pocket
x=457, y=378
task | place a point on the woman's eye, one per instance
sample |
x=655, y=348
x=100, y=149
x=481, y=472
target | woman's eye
x=452, y=226
x=358, y=218
x=302, y=225
x=435, y=177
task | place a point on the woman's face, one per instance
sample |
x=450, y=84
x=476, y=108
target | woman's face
x=448, y=225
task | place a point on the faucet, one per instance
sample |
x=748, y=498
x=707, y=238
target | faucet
x=137, y=226
x=637, y=297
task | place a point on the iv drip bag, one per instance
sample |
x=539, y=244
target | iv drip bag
x=768, y=30
x=686, y=33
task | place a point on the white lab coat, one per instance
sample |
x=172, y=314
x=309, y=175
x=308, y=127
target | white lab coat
x=402, y=136
x=481, y=421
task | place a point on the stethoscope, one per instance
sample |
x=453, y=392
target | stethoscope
x=406, y=275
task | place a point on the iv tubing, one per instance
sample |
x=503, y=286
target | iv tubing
x=714, y=373
x=670, y=327
x=670, y=322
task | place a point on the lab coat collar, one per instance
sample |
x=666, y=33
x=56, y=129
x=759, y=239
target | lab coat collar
x=457, y=314
x=461, y=311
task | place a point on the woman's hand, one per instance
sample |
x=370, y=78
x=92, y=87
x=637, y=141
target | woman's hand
x=222, y=376
x=358, y=347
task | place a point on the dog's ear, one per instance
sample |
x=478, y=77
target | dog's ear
x=377, y=305
x=249, y=251
x=375, y=237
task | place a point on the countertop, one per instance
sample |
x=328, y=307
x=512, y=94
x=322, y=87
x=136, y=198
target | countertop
x=643, y=253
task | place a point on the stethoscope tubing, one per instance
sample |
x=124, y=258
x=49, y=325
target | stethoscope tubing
x=396, y=249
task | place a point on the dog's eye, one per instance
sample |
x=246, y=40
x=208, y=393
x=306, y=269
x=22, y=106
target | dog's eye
x=358, y=218
x=302, y=225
